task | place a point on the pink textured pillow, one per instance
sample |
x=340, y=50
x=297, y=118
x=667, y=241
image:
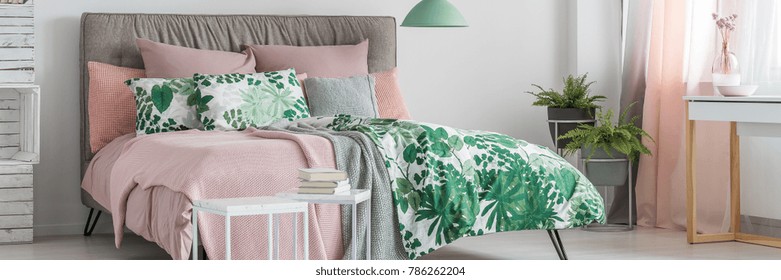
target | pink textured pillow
x=169, y=61
x=111, y=105
x=389, y=100
x=317, y=61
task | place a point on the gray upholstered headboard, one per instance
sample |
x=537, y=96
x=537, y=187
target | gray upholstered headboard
x=110, y=38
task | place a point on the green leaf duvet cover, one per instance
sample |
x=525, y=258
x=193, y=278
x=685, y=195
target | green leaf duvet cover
x=449, y=183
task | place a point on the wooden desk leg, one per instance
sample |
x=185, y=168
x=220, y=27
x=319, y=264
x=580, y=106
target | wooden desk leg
x=734, y=165
x=691, y=205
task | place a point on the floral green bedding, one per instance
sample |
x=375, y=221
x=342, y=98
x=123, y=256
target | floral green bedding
x=449, y=183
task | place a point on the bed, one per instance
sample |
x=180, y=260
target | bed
x=160, y=213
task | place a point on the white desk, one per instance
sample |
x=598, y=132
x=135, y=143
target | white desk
x=748, y=116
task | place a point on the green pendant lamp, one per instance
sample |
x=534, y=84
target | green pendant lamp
x=434, y=13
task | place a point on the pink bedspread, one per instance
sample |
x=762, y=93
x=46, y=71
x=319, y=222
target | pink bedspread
x=207, y=165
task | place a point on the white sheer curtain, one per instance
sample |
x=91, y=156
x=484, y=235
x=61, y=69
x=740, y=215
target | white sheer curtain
x=759, y=43
x=683, y=41
x=758, y=48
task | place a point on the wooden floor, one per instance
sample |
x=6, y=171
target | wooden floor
x=643, y=243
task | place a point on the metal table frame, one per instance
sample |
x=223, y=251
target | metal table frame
x=353, y=198
x=273, y=228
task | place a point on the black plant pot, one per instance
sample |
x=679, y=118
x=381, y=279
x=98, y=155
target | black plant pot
x=605, y=173
x=567, y=114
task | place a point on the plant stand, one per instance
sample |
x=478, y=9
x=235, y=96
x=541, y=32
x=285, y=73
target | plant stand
x=583, y=163
x=556, y=124
x=612, y=227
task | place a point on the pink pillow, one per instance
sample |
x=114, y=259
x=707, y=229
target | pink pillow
x=317, y=61
x=301, y=77
x=389, y=100
x=111, y=104
x=169, y=61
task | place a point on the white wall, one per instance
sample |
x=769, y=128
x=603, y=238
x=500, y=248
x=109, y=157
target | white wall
x=471, y=78
x=596, y=41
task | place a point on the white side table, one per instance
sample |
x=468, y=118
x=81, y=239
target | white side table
x=265, y=205
x=353, y=197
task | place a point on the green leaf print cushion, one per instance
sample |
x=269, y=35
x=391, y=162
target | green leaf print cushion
x=238, y=101
x=163, y=104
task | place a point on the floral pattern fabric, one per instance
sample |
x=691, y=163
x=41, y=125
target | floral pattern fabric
x=449, y=183
x=162, y=104
x=239, y=101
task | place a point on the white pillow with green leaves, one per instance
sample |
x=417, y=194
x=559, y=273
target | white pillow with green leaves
x=164, y=105
x=238, y=101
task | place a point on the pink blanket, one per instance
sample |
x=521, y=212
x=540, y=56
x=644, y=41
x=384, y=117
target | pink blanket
x=157, y=214
x=208, y=165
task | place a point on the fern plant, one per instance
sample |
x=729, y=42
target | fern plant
x=576, y=94
x=623, y=136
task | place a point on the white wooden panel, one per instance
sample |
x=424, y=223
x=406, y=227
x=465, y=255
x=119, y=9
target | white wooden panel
x=17, y=76
x=9, y=94
x=17, y=21
x=8, y=152
x=17, y=54
x=9, y=127
x=20, y=88
x=16, y=10
x=11, y=236
x=17, y=30
x=16, y=169
x=16, y=208
x=9, y=115
x=735, y=111
x=16, y=180
x=17, y=40
x=6, y=104
x=26, y=157
x=9, y=140
x=20, y=194
x=30, y=125
x=16, y=64
x=16, y=221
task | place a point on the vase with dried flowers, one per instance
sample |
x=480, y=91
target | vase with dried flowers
x=726, y=71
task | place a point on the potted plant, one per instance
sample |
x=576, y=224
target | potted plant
x=573, y=103
x=608, y=140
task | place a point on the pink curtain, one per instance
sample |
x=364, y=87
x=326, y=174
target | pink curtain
x=680, y=47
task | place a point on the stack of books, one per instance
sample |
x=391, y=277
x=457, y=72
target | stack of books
x=322, y=181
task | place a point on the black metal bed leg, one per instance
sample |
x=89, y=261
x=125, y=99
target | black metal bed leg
x=555, y=243
x=555, y=238
x=87, y=228
x=561, y=245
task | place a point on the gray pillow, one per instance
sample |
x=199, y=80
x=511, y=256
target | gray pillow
x=350, y=96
